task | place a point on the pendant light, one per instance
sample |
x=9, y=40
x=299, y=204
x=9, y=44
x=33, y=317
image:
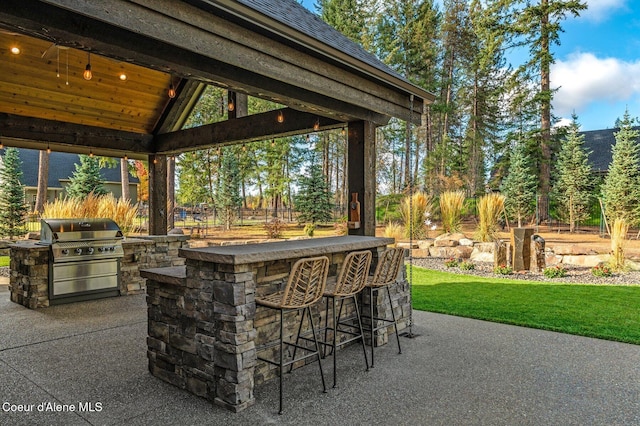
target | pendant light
x=172, y=90
x=87, y=70
x=280, y=117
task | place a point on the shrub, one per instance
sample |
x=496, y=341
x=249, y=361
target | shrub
x=467, y=265
x=341, y=226
x=601, y=271
x=274, y=228
x=557, y=271
x=503, y=270
x=451, y=263
x=490, y=208
x=414, y=210
x=451, y=203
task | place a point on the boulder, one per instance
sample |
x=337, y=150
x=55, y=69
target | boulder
x=589, y=261
x=466, y=242
x=482, y=252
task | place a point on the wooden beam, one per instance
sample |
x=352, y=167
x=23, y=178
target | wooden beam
x=25, y=132
x=179, y=109
x=361, y=174
x=158, y=221
x=244, y=129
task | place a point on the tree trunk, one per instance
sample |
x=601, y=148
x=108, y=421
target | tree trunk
x=43, y=178
x=545, y=116
x=124, y=179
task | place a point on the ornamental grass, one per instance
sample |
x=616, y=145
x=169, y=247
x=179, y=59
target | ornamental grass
x=415, y=209
x=618, y=236
x=490, y=209
x=93, y=206
x=451, y=203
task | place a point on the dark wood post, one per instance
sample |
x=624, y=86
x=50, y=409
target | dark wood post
x=361, y=172
x=158, y=195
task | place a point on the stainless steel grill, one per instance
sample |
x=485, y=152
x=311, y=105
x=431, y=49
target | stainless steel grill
x=84, y=261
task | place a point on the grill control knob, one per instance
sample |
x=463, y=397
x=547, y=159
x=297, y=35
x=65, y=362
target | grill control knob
x=65, y=251
x=90, y=250
x=100, y=249
x=112, y=248
x=79, y=250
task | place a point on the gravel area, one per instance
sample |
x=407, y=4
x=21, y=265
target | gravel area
x=575, y=275
x=4, y=271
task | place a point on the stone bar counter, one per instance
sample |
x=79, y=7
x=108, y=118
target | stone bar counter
x=204, y=327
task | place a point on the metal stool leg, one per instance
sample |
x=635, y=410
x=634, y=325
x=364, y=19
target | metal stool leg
x=395, y=323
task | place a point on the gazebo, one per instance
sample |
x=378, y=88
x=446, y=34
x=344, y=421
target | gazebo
x=119, y=78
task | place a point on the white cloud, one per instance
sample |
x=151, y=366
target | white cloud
x=600, y=10
x=583, y=79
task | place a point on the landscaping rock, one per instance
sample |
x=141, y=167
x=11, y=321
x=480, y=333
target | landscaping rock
x=466, y=242
x=587, y=260
x=425, y=244
x=482, y=252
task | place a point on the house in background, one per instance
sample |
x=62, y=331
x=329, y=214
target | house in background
x=600, y=143
x=62, y=166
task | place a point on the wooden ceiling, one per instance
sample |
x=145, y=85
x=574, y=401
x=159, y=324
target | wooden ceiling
x=46, y=81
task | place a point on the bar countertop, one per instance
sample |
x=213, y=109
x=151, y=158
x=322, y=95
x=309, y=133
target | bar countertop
x=265, y=252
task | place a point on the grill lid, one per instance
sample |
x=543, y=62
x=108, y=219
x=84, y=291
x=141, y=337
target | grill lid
x=58, y=230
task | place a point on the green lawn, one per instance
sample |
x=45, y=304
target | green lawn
x=4, y=260
x=606, y=312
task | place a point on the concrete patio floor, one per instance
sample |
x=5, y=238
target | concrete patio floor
x=456, y=371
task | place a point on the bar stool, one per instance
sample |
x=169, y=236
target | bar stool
x=386, y=273
x=351, y=280
x=304, y=287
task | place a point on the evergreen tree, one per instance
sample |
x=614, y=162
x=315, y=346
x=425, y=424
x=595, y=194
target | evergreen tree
x=13, y=209
x=227, y=197
x=574, y=177
x=621, y=188
x=314, y=199
x=86, y=178
x=519, y=186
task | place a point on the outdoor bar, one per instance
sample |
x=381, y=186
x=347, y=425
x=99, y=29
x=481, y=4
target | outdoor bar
x=204, y=326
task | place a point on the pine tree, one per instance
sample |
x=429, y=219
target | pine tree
x=574, y=177
x=86, y=179
x=519, y=186
x=314, y=199
x=227, y=197
x=13, y=209
x=621, y=188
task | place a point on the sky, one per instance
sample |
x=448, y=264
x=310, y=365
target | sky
x=597, y=67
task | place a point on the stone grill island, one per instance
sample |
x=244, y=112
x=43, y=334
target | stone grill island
x=204, y=326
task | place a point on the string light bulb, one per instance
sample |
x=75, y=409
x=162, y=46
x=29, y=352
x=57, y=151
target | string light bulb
x=172, y=91
x=316, y=125
x=244, y=148
x=273, y=142
x=48, y=149
x=91, y=154
x=280, y=118
x=231, y=105
x=87, y=70
x=126, y=157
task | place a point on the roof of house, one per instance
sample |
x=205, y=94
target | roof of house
x=599, y=142
x=61, y=168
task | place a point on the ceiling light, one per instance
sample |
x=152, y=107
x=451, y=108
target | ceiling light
x=15, y=50
x=122, y=76
x=87, y=70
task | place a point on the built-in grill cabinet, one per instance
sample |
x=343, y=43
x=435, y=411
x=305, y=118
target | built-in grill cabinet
x=84, y=258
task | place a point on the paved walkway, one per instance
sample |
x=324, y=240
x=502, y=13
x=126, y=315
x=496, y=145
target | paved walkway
x=92, y=356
